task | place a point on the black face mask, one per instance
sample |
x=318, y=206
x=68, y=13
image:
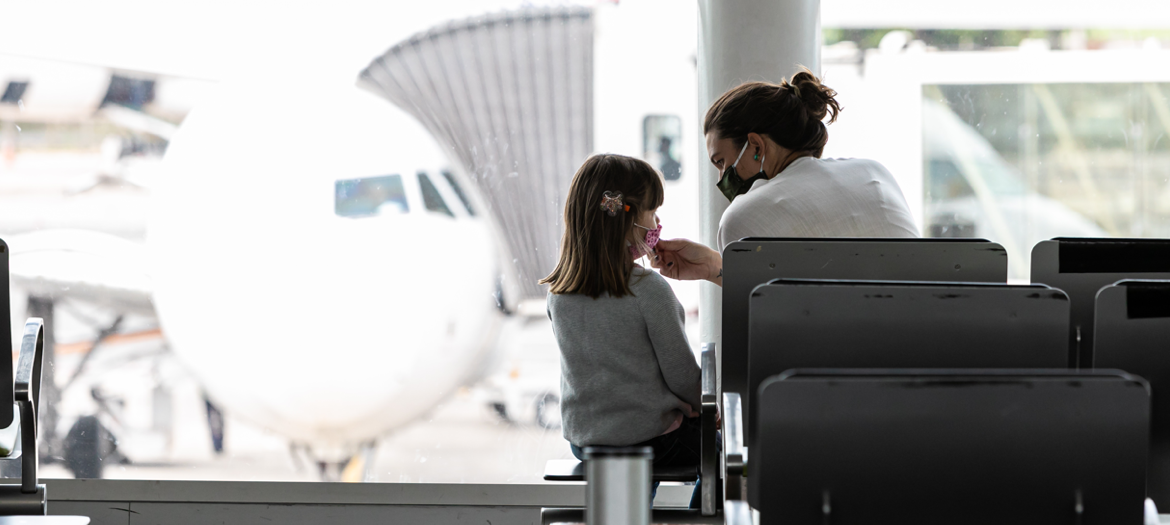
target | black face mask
x=732, y=185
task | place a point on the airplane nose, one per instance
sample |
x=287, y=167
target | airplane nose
x=354, y=333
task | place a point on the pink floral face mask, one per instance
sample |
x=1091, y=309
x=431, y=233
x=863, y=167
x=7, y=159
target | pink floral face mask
x=651, y=239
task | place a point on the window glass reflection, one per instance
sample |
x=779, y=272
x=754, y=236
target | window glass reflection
x=1032, y=161
x=662, y=146
x=445, y=330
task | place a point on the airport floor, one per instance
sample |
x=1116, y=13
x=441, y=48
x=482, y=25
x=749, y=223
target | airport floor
x=462, y=442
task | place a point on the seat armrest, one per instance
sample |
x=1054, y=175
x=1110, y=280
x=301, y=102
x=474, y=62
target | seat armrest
x=709, y=445
x=734, y=453
x=27, y=390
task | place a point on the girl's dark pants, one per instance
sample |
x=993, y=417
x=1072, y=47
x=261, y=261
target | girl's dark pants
x=678, y=448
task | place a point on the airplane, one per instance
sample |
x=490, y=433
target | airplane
x=380, y=307
x=143, y=105
x=343, y=286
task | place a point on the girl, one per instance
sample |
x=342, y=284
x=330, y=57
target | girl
x=628, y=376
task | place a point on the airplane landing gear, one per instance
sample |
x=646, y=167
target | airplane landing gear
x=501, y=410
x=87, y=445
x=355, y=469
x=330, y=471
x=215, y=425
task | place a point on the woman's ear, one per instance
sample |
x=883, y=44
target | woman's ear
x=756, y=146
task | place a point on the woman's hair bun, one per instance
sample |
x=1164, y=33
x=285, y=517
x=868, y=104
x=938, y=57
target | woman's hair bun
x=818, y=99
x=791, y=113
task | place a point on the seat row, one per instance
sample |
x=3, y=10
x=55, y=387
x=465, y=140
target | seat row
x=894, y=380
x=904, y=380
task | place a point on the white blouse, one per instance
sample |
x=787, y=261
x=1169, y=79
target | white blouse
x=820, y=198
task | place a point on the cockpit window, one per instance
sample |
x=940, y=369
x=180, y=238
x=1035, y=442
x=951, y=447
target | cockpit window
x=459, y=192
x=368, y=196
x=129, y=92
x=13, y=92
x=431, y=198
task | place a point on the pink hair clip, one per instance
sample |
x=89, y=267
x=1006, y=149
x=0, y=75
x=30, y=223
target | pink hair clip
x=611, y=202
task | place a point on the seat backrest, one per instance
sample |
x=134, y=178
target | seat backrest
x=1082, y=266
x=1132, y=332
x=753, y=261
x=6, y=394
x=890, y=324
x=964, y=447
x=22, y=388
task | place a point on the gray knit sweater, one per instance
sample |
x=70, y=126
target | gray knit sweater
x=626, y=368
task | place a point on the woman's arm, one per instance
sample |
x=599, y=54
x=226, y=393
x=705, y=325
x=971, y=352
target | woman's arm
x=687, y=260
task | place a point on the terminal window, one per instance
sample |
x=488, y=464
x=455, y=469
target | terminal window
x=1020, y=163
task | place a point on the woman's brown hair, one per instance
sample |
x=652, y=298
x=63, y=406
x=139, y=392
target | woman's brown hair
x=790, y=113
x=594, y=256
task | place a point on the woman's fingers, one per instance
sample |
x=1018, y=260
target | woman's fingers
x=669, y=270
x=682, y=259
x=672, y=245
x=666, y=264
x=660, y=259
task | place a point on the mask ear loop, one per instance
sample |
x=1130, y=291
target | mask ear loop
x=640, y=248
x=741, y=150
x=763, y=159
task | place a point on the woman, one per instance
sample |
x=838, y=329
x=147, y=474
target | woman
x=767, y=140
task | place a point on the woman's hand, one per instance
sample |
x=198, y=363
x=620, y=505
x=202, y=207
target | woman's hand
x=687, y=260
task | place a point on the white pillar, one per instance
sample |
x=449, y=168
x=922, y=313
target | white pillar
x=740, y=41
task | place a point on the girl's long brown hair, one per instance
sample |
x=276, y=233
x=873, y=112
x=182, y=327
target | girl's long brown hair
x=594, y=257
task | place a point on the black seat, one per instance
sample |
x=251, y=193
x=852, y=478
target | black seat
x=754, y=261
x=891, y=324
x=916, y=447
x=1082, y=266
x=1131, y=332
x=20, y=406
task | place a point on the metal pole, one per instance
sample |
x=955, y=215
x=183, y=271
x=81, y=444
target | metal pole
x=740, y=41
x=617, y=488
